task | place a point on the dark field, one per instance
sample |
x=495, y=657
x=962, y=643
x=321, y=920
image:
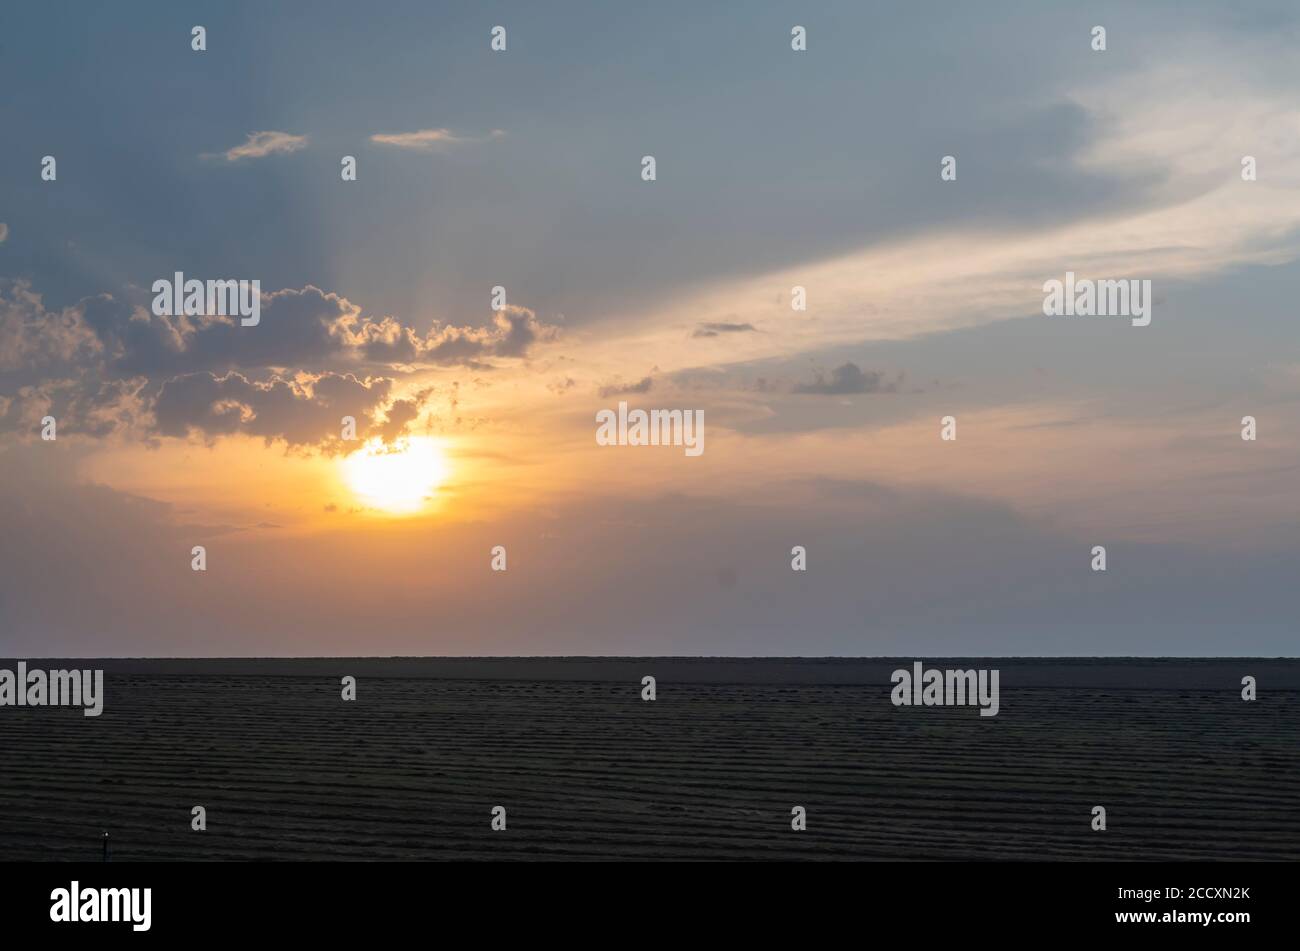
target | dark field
x=709, y=770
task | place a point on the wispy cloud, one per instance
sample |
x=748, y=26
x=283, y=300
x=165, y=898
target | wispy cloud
x=427, y=140
x=262, y=144
x=714, y=329
x=619, y=389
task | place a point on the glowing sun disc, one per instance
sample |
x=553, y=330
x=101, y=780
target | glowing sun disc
x=397, y=478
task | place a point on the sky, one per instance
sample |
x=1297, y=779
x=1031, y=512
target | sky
x=476, y=428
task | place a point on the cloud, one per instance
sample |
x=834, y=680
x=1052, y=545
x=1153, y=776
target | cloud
x=90, y=407
x=512, y=334
x=300, y=411
x=641, y=386
x=714, y=329
x=1156, y=173
x=33, y=339
x=846, y=379
x=400, y=416
x=108, y=364
x=262, y=144
x=4, y=231
x=304, y=328
x=427, y=140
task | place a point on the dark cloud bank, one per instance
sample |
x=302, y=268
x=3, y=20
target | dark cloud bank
x=108, y=364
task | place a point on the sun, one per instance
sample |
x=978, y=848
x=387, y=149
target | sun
x=397, y=478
